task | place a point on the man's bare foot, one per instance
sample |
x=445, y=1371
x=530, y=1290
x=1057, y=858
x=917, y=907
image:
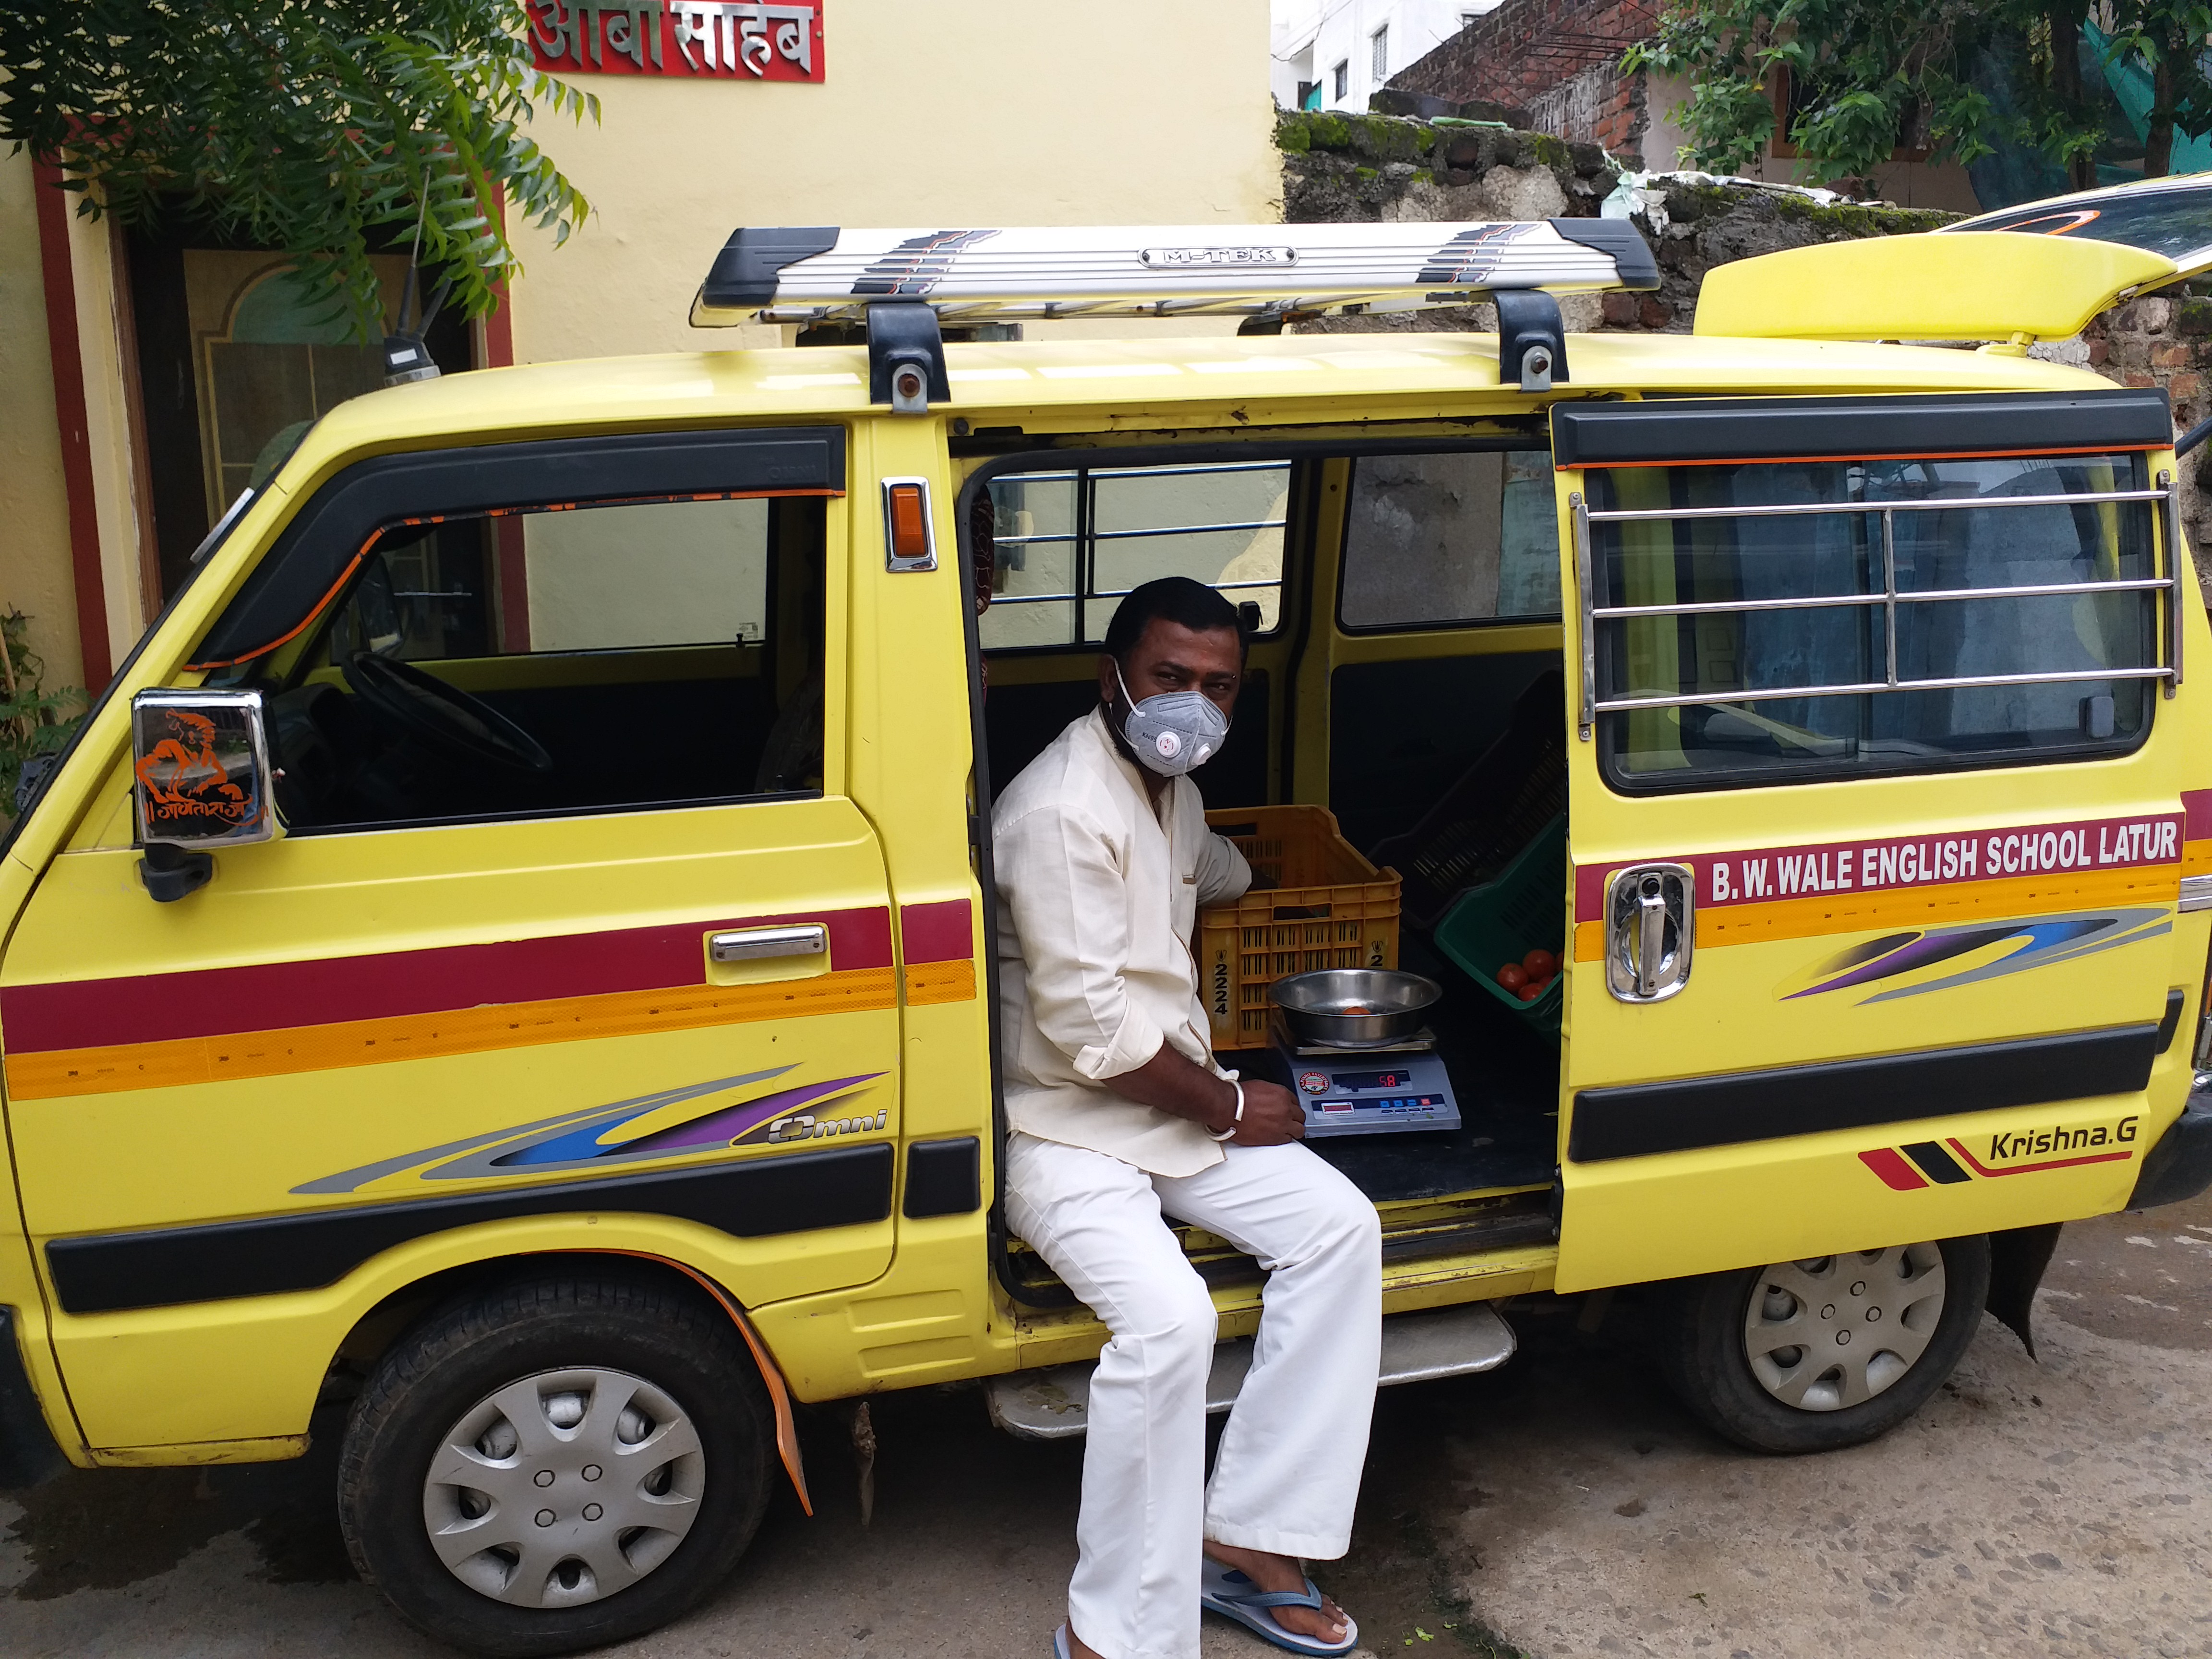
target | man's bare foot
x=1285, y=1572
x=1079, y=1647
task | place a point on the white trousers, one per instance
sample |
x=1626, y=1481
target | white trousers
x=1287, y=1473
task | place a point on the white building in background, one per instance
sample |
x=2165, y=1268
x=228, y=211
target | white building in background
x=1330, y=54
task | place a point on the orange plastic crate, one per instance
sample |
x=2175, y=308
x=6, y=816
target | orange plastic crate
x=1327, y=908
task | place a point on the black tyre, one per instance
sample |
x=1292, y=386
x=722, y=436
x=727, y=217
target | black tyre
x=1817, y=1355
x=563, y=1462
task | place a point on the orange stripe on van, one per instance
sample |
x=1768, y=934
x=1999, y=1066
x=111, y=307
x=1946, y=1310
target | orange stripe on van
x=939, y=982
x=59, y=1073
x=1914, y=907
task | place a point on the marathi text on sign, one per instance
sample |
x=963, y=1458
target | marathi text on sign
x=733, y=38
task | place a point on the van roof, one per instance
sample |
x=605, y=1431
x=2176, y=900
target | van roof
x=1204, y=380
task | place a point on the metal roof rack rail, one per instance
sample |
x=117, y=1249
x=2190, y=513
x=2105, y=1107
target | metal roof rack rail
x=819, y=274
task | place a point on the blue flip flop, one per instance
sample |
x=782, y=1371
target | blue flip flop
x=1060, y=1650
x=1228, y=1592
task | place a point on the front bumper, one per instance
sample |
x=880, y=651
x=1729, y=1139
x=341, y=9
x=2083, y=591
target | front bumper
x=2180, y=1165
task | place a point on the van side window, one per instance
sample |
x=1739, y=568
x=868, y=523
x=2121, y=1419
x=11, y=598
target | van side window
x=1070, y=544
x=637, y=654
x=1437, y=540
x=1838, y=618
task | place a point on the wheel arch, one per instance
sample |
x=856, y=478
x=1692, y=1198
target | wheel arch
x=404, y=1308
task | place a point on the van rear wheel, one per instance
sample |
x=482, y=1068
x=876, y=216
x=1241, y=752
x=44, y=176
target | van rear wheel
x=561, y=1463
x=1827, y=1352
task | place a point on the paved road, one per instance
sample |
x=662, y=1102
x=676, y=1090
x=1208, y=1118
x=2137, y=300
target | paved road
x=1564, y=1506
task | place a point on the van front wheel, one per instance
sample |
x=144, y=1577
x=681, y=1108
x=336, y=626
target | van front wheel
x=561, y=1463
x=1828, y=1352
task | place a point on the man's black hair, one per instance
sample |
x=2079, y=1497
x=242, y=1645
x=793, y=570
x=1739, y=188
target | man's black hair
x=1180, y=600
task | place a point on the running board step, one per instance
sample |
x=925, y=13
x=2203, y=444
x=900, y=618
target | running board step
x=1417, y=1347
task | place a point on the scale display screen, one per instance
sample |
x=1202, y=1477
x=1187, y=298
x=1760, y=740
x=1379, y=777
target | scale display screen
x=1361, y=1082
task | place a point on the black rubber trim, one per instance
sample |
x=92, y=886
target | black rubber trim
x=743, y=274
x=1631, y=255
x=29, y=1452
x=329, y=530
x=944, y=1177
x=1769, y=428
x=754, y=1197
x=2175, y=1000
x=1639, y=1119
x=2180, y=1165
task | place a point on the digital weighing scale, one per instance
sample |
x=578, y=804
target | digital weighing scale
x=1367, y=1092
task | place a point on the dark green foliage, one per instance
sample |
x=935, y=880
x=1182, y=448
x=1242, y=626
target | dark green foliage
x=321, y=127
x=1873, y=77
x=31, y=720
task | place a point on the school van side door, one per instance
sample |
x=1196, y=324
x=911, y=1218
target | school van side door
x=1877, y=829
x=572, y=937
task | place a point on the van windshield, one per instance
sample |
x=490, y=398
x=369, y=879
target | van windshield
x=1765, y=620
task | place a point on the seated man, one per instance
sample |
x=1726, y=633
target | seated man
x=1120, y=1118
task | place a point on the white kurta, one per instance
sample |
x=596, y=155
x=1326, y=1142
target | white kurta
x=1097, y=897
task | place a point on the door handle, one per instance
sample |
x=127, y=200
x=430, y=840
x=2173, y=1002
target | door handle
x=1650, y=927
x=1651, y=936
x=752, y=944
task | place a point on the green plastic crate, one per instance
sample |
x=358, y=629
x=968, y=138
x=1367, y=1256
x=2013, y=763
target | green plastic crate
x=1501, y=921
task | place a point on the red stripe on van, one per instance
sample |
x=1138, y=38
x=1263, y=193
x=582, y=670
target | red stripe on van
x=936, y=932
x=2196, y=814
x=1889, y=1163
x=224, y=1001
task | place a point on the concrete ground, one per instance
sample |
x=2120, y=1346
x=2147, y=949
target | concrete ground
x=1562, y=1506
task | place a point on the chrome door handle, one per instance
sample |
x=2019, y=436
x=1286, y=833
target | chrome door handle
x=1651, y=937
x=752, y=944
x=1650, y=925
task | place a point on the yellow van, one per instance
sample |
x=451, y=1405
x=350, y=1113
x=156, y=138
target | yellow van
x=508, y=962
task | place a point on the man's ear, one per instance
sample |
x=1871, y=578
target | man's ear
x=1108, y=683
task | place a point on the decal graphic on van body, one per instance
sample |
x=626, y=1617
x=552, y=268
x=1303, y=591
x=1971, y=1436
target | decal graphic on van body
x=1973, y=952
x=1909, y=1168
x=1992, y=876
x=598, y=1137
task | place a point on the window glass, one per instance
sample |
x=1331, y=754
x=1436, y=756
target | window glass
x=628, y=654
x=1955, y=540
x=1470, y=536
x=1071, y=545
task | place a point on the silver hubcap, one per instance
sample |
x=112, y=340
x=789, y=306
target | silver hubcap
x=1840, y=1330
x=563, y=1488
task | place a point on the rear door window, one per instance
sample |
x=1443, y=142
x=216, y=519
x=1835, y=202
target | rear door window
x=1757, y=622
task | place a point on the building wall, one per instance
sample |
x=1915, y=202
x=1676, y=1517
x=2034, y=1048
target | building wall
x=1009, y=112
x=34, y=530
x=1310, y=37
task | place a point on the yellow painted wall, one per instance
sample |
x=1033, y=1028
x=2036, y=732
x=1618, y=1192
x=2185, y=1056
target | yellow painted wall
x=34, y=550
x=992, y=112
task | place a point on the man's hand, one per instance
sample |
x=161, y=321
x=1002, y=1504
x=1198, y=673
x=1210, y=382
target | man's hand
x=1171, y=1084
x=1272, y=1116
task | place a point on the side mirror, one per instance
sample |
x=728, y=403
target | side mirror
x=199, y=761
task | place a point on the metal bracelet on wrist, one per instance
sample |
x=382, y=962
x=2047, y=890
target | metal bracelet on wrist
x=1236, y=1122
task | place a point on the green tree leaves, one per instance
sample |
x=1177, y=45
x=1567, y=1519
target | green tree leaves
x=309, y=126
x=1868, y=78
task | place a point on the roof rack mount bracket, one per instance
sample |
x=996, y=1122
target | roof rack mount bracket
x=1531, y=339
x=906, y=357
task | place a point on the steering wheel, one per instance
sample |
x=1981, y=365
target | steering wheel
x=446, y=718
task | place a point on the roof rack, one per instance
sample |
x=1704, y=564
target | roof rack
x=1266, y=273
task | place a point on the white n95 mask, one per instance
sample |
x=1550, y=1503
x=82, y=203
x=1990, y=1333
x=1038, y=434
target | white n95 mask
x=1173, y=733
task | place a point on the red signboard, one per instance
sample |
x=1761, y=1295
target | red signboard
x=725, y=39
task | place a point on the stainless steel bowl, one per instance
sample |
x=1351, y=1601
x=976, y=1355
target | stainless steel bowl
x=1354, y=1007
